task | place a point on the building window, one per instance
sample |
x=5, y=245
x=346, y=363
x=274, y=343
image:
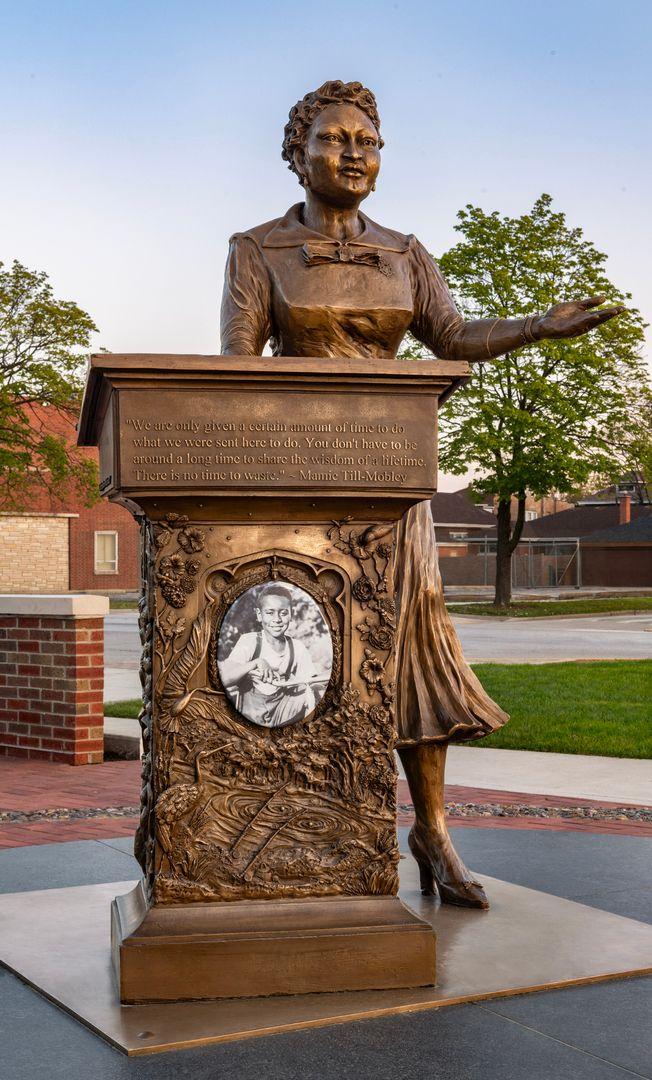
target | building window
x=458, y=535
x=106, y=552
x=531, y=515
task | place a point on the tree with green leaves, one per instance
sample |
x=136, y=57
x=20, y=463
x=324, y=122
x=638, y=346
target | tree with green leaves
x=637, y=446
x=42, y=345
x=548, y=415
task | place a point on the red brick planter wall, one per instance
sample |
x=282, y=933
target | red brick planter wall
x=52, y=678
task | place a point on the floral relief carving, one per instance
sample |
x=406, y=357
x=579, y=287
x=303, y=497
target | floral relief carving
x=372, y=551
x=176, y=574
x=144, y=840
x=244, y=812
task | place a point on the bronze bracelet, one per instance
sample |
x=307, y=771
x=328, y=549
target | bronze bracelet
x=486, y=344
x=526, y=330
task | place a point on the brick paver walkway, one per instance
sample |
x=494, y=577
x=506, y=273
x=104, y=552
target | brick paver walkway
x=39, y=785
x=16, y=834
x=33, y=786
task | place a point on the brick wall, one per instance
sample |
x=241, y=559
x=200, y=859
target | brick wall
x=467, y=569
x=627, y=565
x=104, y=516
x=52, y=678
x=34, y=553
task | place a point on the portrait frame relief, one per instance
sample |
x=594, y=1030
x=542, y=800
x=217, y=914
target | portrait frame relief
x=326, y=585
x=274, y=654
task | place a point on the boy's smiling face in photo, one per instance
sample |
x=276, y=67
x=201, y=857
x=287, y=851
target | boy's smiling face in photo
x=275, y=613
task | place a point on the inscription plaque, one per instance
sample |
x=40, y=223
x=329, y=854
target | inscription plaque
x=302, y=440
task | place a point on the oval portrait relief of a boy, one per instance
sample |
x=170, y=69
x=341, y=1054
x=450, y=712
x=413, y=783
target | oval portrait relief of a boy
x=274, y=654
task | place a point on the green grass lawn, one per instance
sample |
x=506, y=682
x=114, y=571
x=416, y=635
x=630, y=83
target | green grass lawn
x=118, y=602
x=128, y=709
x=597, y=707
x=529, y=609
x=600, y=707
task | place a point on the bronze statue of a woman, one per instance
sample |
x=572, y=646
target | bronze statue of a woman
x=324, y=280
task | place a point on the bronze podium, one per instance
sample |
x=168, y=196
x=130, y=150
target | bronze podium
x=268, y=846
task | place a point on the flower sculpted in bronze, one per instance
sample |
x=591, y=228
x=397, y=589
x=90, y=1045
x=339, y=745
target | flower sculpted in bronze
x=324, y=280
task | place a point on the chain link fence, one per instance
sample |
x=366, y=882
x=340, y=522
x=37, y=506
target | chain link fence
x=536, y=563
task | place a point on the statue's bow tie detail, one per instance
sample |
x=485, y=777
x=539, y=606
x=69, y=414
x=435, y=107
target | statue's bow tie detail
x=316, y=252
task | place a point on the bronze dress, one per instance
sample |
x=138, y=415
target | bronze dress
x=310, y=295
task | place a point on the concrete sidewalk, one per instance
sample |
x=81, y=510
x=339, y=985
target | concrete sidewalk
x=620, y=780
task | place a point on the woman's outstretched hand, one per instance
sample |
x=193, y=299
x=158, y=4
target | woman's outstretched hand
x=574, y=317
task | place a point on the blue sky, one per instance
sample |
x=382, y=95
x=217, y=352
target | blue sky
x=135, y=137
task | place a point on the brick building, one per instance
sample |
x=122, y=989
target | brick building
x=604, y=541
x=633, y=485
x=462, y=530
x=621, y=555
x=104, y=549
x=35, y=549
x=457, y=520
x=615, y=539
x=587, y=518
x=54, y=543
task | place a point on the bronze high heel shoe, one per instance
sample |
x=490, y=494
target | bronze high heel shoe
x=465, y=892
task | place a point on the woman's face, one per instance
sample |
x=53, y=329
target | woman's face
x=275, y=613
x=341, y=156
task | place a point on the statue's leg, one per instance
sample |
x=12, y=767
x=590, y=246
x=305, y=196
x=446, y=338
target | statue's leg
x=440, y=866
x=438, y=700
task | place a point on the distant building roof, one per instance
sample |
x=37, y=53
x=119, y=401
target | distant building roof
x=635, y=532
x=450, y=508
x=582, y=520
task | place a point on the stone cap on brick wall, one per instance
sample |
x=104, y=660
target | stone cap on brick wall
x=70, y=605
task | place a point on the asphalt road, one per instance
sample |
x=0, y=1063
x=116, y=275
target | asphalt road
x=536, y=641
x=533, y=641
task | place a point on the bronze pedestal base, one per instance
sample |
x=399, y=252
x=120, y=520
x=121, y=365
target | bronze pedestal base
x=57, y=941
x=190, y=952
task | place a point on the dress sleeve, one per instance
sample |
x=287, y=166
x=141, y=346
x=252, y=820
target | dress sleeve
x=437, y=322
x=438, y=325
x=246, y=301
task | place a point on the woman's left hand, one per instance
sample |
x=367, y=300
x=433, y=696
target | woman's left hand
x=573, y=318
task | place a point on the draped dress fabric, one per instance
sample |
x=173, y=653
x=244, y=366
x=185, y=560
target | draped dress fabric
x=310, y=295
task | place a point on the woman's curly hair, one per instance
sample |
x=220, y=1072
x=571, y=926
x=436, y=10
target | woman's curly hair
x=304, y=112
